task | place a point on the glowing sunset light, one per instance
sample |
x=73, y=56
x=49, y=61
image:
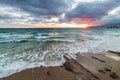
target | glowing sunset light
x=84, y=25
x=85, y=22
x=73, y=25
x=63, y=25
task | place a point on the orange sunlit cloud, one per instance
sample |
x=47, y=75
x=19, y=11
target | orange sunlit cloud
x=62, y=25
x=84, y=23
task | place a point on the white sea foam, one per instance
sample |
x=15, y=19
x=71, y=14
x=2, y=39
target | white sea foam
x=50, y=47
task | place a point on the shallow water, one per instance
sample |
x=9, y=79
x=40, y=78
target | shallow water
x=26, y=48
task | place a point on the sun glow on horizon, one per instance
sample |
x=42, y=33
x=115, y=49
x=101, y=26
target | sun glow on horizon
x=63, y=25
x=84, y=25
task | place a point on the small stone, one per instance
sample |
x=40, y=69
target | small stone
x=107, y=69
x=101, y=71
x=114, y=75
x=48, y=73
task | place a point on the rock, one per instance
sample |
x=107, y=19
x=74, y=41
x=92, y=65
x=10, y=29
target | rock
x=48, y=74
x=117, y=53
x=107, y=69
x=101, y=71
x=114, y=75
x=75, y=67
x=67, y=67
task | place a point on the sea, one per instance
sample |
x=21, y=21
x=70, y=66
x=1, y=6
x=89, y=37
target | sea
x=28, y=48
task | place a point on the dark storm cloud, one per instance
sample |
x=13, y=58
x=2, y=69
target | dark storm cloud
x=38, y=8
x=93, y=10
x=113, y=20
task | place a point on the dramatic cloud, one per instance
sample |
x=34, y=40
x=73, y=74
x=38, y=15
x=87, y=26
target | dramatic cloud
x=112, y=18
x=40, y=7
x=57, y=11
x=93, y=10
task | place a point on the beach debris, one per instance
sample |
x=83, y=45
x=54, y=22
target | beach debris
x=101, y=71
x=114, y=75
x=98, y=59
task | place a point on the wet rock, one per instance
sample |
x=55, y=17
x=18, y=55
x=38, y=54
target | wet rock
x=114, y=75
x=67, y=67
x=101, y=71
x=48, y=74
x=107, y=69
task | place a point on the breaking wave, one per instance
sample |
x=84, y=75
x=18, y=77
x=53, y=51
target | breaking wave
x=21, y=49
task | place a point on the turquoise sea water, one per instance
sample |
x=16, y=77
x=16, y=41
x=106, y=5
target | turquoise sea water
x=26, y=48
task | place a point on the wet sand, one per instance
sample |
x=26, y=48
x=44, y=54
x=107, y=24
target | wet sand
x=105, y=65
x=43, y=73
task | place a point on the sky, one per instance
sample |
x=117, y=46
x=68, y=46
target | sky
x=58, y=13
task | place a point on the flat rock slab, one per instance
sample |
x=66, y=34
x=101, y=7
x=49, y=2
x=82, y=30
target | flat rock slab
x=105, y=65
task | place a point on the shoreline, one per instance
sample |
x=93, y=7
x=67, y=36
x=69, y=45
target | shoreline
x=102, y=66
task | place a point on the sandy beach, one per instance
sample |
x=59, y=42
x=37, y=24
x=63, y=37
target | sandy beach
x=102, y=66
x=43, y=73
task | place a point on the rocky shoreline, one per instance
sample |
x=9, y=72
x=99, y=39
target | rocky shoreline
x=87, y=66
